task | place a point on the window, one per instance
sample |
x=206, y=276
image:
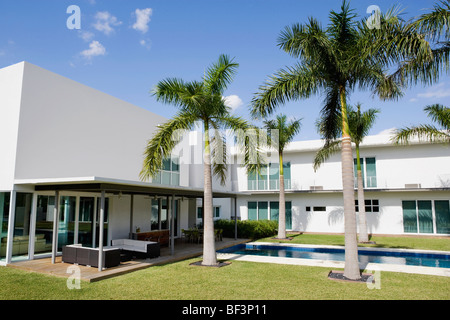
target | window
x=216, y=212
x=369, y=173
x=169, y=173
x=316, y=209
x=269, y=210
x=268, y=178
x=426, y=216
x=370, y=205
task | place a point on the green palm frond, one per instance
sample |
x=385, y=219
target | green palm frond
x=286, y=131
x=360, y=123
x=330, y=148
x=436, y=22
x=220, y=74
x=422, y=132
x=287, y=84
x=163, y=142
x=438, y=113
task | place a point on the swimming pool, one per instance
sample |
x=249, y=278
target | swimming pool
x=369, y=255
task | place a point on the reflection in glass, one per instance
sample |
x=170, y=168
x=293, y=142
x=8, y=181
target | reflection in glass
x=21, y=234
x=44, y=224
x=4, y=219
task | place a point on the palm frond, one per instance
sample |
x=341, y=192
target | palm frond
x=330, y=148
x=440, y=114
x=289, y=84
x=220, y=74
x=436, y=22
x=422, y=132
x=163, y=142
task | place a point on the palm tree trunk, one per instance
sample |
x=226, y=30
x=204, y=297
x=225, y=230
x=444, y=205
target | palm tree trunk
x=282, y=205
x=351, y=270
x=209, y=245
x=363, y=235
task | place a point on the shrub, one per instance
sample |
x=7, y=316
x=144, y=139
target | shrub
x=248, y=228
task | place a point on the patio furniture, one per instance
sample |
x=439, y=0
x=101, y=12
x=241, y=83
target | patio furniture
x=218, y=233
x=160, y=236
x=138, y=248
x=86, y=256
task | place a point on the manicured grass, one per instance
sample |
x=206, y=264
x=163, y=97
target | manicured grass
x=441, y=243
x=238, y=281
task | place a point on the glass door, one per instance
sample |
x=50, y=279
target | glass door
x=105, y=223
x=66, y=226
x=44, y=224
x=86, y=221
x=22, y=219
x=4, y=219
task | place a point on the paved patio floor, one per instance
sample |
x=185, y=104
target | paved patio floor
x=182, y=251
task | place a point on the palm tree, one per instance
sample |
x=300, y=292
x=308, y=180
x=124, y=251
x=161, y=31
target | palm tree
x=360, y=124
x=286, y=133
x=333, y=61
x=197, y=101
x=438, y=113
x=435, y=28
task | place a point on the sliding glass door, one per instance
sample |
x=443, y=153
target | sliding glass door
x=426, y=216
x=4, y=220
x=86, y=221
x=22, y=219
x=44, y=224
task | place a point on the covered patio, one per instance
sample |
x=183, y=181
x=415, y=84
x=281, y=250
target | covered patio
x=183, y=250
x=105, y=187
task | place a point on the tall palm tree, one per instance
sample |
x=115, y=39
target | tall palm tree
x=438, y=113
x=334, y=61
x=197, y=101
x=360, y=124
x=286, y=132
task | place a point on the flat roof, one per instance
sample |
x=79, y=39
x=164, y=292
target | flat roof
x=98, y=184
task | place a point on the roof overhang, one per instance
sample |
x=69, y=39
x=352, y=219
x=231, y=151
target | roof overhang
x=99, y=184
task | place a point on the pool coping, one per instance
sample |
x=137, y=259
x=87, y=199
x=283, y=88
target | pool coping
x=366, y=267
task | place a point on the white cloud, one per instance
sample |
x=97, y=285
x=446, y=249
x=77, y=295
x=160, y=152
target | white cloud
x=86, y=35
x=95, y=49
x=436, y=92
x=387, y=132
x=105, y=22
x=146, y=43
x=233, y=101
x=142, y=19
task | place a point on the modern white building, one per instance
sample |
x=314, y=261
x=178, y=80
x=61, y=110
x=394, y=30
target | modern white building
x=66, y=146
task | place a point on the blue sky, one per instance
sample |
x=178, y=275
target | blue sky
x=125, y=47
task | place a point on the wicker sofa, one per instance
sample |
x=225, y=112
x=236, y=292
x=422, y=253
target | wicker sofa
x=138, y=248
x=77, y=254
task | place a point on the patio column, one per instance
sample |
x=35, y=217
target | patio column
x=131, y=216
x=100, y=231
x=172, y=225
x=12, y=216
x=235, y=218
x=55, y=227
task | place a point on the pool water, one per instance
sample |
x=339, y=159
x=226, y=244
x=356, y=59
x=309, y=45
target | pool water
x=367, y=256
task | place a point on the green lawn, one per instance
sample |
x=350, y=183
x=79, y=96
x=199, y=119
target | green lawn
x=238, y=281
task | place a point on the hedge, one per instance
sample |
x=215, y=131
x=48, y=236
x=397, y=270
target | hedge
x=248, y=229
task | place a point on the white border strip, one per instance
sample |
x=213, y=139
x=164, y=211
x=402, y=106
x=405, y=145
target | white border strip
x=444, y=272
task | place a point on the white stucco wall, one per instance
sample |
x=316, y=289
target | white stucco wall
x=70, y=130
x=10, y=99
